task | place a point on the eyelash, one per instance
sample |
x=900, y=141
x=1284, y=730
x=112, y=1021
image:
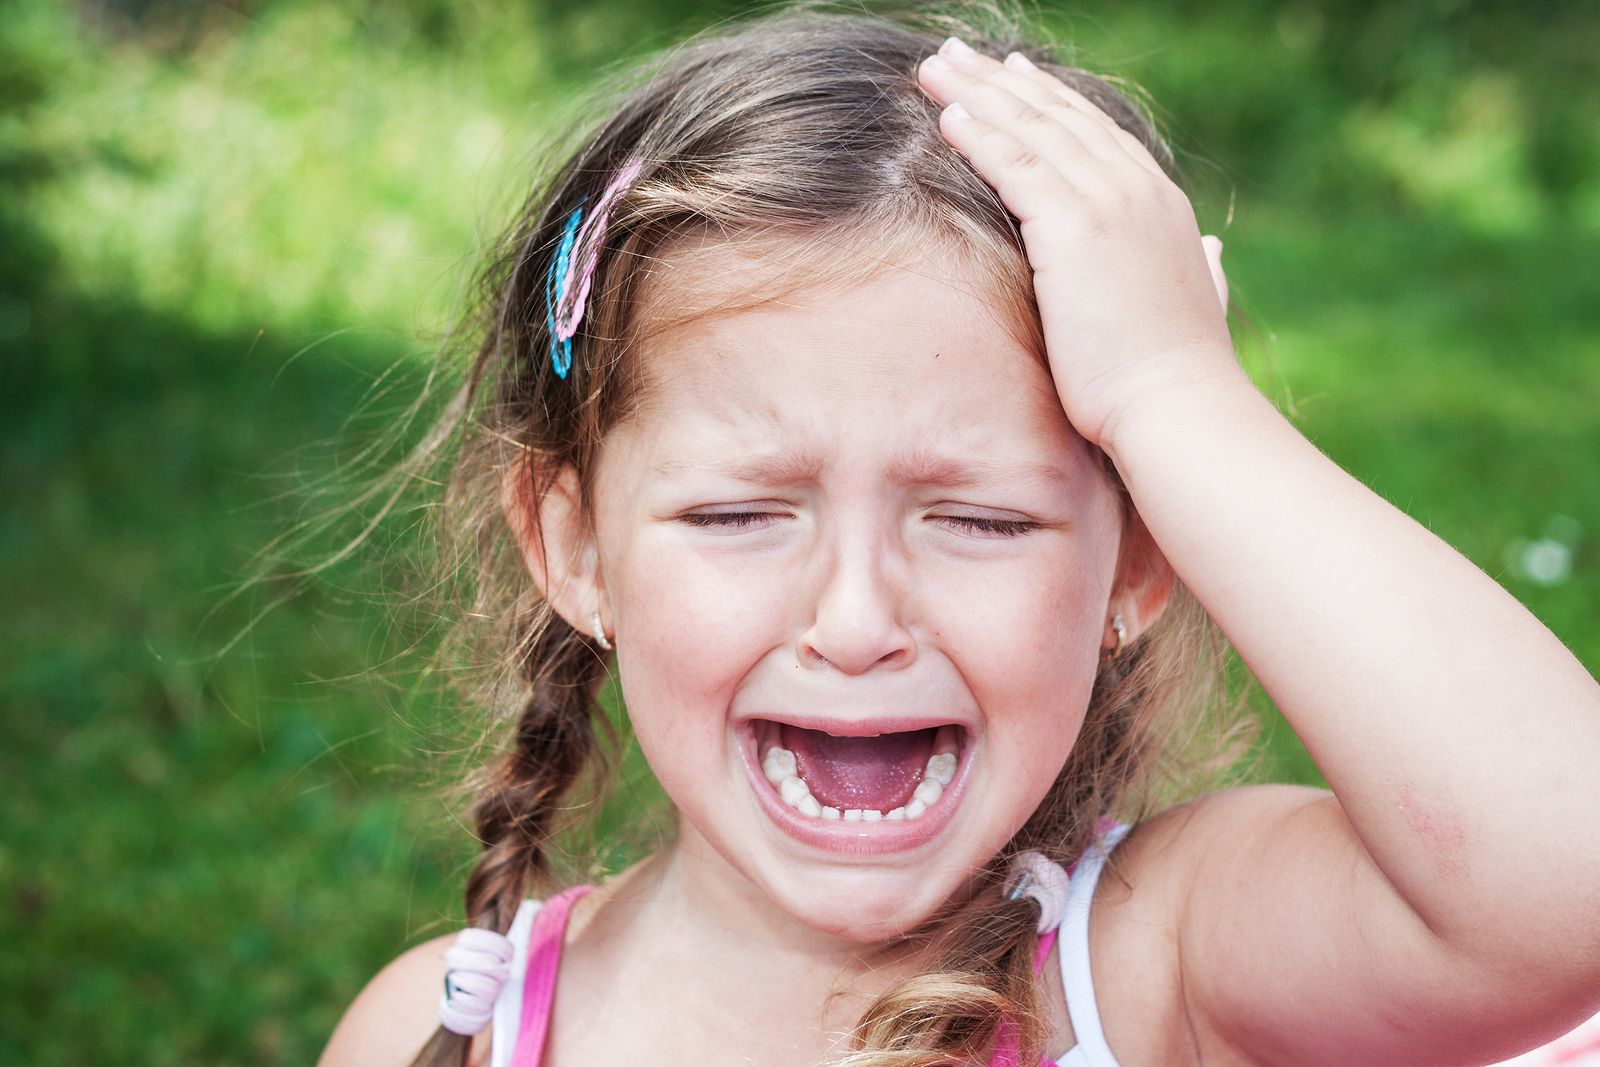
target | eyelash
x=977, y=525
x=969, y=525
x=736, y=520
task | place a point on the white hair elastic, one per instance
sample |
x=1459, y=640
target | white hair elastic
x=480, y=963
x=1034, y=876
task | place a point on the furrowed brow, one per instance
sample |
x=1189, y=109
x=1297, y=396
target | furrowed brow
x=779, y=468
x=947, y=472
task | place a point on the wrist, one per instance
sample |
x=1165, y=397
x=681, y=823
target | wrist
x=1211, y=386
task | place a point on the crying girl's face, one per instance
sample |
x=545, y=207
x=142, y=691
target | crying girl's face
x=858, y=565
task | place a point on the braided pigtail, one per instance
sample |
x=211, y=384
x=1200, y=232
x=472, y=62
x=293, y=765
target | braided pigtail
x=978, y=988
x=522, y=799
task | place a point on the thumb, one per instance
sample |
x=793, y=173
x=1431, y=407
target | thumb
x=1213, y=247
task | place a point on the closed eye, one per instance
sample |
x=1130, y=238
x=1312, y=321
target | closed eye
x=986, y=526
x=732, y=518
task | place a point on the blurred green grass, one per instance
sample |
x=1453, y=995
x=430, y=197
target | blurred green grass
x=203, y=856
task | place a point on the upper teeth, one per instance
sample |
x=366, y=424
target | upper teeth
x=782, y=770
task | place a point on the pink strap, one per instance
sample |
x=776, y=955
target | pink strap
x=539, y=986
x=1046, y=943
x=1005, y=1046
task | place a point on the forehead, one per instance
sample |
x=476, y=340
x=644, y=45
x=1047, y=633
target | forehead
x=704, y=276
x=916, y=361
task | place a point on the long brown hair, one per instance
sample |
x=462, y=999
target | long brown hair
x=807, y=127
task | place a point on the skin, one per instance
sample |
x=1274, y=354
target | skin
x=1428, y=911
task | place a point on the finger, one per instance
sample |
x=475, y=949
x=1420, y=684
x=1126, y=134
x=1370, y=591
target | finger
x=1094, y=128
x=1023, y=65
x=1037, y=136
x=1027, y=82
x=962, y=55
x=1043, y=78
x=1213, y=247
x=1030, y=186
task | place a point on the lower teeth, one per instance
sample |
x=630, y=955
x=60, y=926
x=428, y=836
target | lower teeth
x=782, y=770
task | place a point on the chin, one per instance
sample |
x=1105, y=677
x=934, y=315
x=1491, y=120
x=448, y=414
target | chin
x=863, y=906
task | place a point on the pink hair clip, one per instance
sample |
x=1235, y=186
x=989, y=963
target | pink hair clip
x=566, y=287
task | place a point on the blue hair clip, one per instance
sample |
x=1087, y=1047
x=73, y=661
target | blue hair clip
x=556, y=284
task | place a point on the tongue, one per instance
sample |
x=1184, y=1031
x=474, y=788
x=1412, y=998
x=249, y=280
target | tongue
x=871, y=773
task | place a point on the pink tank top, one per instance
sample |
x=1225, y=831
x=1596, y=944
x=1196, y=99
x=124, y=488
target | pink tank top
x=544, y=961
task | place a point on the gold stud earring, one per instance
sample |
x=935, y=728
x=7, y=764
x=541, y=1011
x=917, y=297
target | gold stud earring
x=600, y=631
x=1121, y=630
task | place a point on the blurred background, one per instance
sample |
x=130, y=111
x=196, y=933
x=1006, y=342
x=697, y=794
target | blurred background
x=231, y=235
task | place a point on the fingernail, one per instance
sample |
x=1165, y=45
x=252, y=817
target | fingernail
x=1019, y=61
x=956, y=111
x=956, y=47
x=937, y=63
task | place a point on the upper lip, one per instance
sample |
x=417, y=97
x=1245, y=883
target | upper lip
x=846, y=725
x=884, y=702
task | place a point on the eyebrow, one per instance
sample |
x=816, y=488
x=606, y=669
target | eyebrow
x=922, y=468
x=779, y=468
x=930, y=469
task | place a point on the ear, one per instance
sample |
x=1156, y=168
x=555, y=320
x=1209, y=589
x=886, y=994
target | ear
x=1142, y=586
x=553, y=532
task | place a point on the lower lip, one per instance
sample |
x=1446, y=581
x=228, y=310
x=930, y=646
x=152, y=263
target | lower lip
x=851, y=837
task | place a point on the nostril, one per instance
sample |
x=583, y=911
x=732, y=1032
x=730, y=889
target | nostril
x=895, y=658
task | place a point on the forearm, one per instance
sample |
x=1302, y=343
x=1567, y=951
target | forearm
x=1461, y=737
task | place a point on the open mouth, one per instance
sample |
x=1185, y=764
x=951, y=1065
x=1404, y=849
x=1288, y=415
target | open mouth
x=885, y=777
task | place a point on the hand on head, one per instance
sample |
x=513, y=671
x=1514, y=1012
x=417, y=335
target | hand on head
x=1127, y=288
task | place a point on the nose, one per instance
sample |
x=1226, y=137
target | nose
x=857, y=626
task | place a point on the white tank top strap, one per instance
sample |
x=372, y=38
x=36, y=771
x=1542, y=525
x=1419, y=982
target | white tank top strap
x=1073, y=939
x=508, y=1007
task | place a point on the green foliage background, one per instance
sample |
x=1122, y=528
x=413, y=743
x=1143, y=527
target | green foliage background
x=229, y=234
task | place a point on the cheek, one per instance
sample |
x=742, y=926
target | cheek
x=1035, y=622
x=1029, y=649
x=1044, y=654
x=689, y=630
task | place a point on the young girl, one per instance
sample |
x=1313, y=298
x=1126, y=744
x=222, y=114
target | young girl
x=867, y=404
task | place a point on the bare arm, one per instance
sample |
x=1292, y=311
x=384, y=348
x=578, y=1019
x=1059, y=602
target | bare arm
x=1446, y=902
x=1453, y=887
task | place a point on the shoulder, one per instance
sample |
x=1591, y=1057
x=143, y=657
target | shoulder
x=393, y=1017
x=1146, y=897
x=1167, y=850
x=1160, y=857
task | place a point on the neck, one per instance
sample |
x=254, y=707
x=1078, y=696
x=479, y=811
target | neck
x=730, y=943
x=690, y=885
